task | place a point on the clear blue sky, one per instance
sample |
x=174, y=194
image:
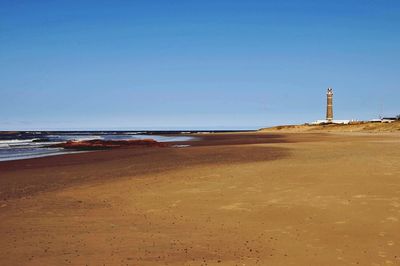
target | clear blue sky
x=195, y=63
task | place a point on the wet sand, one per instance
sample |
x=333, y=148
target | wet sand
x=230, y=199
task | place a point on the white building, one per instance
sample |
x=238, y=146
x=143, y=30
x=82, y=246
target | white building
x=342, y=122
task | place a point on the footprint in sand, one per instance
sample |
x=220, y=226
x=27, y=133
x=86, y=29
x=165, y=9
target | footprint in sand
x=175, y=203
x=395, y=204
x=382, y=254
x=235, y=207
x=360, y=196
x=392, y=219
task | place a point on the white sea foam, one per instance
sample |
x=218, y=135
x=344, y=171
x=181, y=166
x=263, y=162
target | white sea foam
x=4, y=144
x=83, y=138
x=36, y=155
x=16, y=141
x=74, y=137
x=163, y=138
x=181, y=146
x=132, y=133
x=17, y=149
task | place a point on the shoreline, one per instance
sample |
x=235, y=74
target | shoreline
x=89, y=159
x=20, y=169
x=27, y=145
x=254, y=199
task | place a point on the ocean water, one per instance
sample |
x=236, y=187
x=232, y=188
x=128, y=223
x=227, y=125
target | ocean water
x=25, y=145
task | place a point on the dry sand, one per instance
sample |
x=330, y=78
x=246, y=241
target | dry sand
x=239, y=199
x=369, y=127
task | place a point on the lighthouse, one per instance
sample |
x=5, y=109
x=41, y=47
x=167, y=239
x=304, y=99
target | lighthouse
x=329, y=112
x=329, y=105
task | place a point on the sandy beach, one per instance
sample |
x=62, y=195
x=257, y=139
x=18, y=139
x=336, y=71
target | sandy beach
x=229, y=199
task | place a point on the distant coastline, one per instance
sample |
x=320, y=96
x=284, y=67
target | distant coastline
x=371, y=127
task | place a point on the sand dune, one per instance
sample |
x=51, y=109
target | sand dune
x=337, y=128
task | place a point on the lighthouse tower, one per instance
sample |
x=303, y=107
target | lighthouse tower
x=329, y=106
